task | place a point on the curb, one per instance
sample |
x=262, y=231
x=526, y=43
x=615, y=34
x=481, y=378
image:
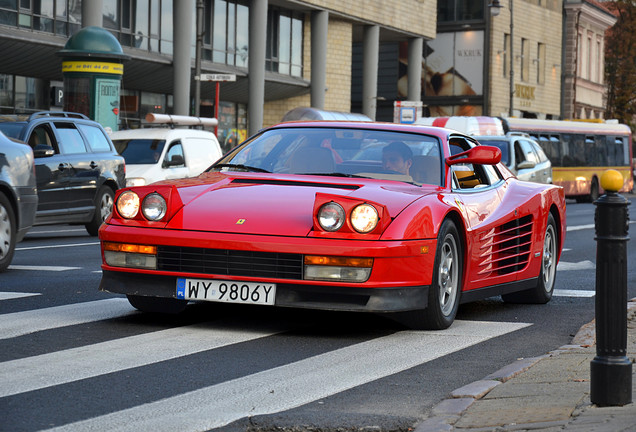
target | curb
x=446, y=413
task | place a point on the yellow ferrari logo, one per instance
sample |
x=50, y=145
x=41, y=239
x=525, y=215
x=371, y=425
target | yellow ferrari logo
x=240, y=221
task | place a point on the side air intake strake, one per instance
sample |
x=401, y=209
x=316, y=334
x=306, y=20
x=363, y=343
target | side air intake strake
x=506, y=248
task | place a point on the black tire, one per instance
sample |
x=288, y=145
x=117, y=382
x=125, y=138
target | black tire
x=7, y=232
x=542, y=293
x=104, y=201
x=446, y=286
x=162, y=305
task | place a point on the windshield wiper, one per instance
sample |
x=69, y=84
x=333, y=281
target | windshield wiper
x=241, y=167
x=335, y=175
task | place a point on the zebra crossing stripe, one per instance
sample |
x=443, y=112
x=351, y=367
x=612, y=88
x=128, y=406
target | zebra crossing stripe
x=41, y=371
x=298, y=383
x=22, y=323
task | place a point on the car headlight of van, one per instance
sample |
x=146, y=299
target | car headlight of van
x=154, y=207
x=364, y=218
x=135, y=181
x=128, y=204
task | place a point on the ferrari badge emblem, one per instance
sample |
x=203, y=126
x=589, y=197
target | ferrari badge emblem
x=240, y=221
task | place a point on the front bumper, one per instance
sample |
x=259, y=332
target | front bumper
x=313, y=296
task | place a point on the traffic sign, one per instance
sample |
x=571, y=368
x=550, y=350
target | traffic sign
x=218, y=77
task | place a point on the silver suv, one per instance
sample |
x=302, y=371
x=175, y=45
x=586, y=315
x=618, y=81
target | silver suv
x=18, y=196
x=522, y=155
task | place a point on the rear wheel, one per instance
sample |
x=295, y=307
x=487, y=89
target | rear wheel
x=161, y=305
x=542, y=293
x=445, y=290
x=103, y=208
x=7, y=232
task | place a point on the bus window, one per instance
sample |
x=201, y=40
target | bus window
x=551, y=145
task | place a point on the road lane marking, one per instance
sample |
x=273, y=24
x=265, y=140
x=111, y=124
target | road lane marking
x=581, y=265
x=15, y=295
x=573, y=293
x=56, y=246
x=46, y=370
x=42, y=268
x=22, y=323
x=289, y=386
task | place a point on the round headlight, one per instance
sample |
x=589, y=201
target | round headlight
x=128, y=204
x=154, y=207
x=364, y=218
x=331, y=216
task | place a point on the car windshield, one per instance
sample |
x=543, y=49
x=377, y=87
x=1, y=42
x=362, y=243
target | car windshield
x=502, y=145
x=140, y=151
x=345, y=152
x=12, y=129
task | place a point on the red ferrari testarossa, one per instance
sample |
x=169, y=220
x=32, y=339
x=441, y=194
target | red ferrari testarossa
x=354, y=216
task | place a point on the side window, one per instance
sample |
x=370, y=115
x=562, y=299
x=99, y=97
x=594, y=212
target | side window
x=470, y=176
x=539, y=151
x=97, y=141
x=42, y=134
x=70, y=140
x=174, y=156
x=527, y=152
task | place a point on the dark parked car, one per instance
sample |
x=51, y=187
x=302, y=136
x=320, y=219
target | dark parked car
x=18, y=196
x=77, y=167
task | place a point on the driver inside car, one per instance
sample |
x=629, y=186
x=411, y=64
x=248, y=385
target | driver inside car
x=397, y=157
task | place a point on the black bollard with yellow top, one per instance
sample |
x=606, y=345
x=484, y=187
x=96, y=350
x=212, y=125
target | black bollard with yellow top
x=611, y=369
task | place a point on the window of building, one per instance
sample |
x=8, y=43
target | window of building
x=506, y=54
x=284, y=42
x=540, y=63
x=140, y=24
x=590, y=57
x=62, y=17
x=525, y=60
x=226, y=32
x=599, y=60
x=460, y=10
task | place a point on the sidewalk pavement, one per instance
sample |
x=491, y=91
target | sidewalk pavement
x=547, y=394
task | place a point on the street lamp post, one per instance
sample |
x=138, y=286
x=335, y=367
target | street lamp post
x=495, y=9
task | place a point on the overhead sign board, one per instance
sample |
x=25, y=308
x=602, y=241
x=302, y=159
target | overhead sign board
x=218, y=77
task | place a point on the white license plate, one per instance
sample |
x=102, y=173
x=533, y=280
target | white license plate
x=226, y=291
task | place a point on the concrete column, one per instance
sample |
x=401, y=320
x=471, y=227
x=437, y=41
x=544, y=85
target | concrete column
x=256, y=66
x=181, y=59
x=416, y=47
x=370, y=58
x=92, y=13
x=319, y=26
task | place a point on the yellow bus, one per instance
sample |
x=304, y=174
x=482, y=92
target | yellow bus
x=580, y=151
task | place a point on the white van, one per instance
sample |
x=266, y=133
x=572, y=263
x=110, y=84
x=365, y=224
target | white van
x=161, y=153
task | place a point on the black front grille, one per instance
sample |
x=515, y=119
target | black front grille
x=230, y=262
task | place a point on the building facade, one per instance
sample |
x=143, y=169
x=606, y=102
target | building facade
x=284, y=54
x=584, y=89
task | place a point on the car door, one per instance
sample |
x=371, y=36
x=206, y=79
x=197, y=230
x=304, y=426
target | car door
x=174, y=162
x=52, y=170
x=544, y=166
x=83, y=170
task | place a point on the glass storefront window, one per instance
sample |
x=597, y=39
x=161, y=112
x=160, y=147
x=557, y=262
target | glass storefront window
x=460, y=10
x=6, y=93
x=30, y=94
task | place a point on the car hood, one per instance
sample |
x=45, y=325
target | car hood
x=276, y=205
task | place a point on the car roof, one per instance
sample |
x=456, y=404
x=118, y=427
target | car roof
x=395, y=127
x=160, y=133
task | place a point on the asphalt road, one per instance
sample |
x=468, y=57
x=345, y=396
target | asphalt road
x=77, y=359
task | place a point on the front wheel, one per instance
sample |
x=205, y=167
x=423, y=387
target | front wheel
x=103, y=208
x=162, y=305
x=542, y=293
x=7, y=233
x=445, y=290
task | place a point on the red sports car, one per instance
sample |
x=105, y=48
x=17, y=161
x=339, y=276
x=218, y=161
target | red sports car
x=354, y=216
